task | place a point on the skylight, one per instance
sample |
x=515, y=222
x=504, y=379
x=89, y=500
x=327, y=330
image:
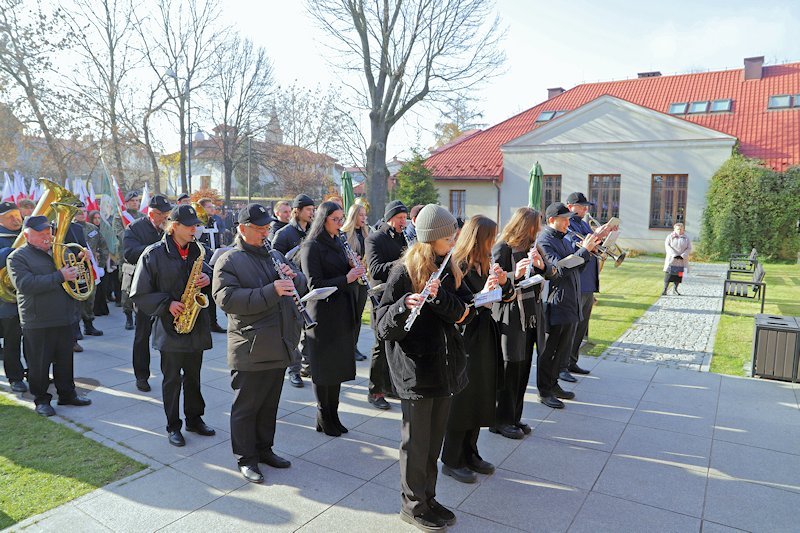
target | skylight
x=544, y=116
x=678, y=108
x=779, y=101
x=698, y=107
x=721, y=105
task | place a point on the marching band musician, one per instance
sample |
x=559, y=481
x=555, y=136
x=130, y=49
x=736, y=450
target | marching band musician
x=356, y=229
x=428, y=362
x=10, y=226
x=139, y=235
x=264, y=329
x=46, y=315
x=212, y=238
x=161, y=278
x=384, y=246
x=132, y=203
x=331, y=343
x=97, y=244
x=283, y=214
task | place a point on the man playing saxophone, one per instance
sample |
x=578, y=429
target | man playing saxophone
x=263, y=332
x=166, y=272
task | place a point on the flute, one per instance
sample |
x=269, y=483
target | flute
x=425, y=295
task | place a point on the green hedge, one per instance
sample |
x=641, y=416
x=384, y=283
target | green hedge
x=751, y=206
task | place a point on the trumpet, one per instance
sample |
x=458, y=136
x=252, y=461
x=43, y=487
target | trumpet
x=614, y=250
x=277, y=262
x=601, y=252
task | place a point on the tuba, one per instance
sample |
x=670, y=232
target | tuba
x=192, y=299
x=55, y=194
x=64, y=255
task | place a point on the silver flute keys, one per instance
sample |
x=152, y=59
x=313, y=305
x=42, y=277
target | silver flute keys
x=425, y=295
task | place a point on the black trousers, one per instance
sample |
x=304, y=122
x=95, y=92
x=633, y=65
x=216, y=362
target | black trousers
x=100, y=306
x=182, y=369
x=379, y=380
x=581, y=329
x=511, y=394
x=141, y=346
x=557, y=348
x=12, y=338
x=328, y=402
x=460, y=447
x=212, y=305
x=44, y=347
x=361, y=302
x=424, y=423
x=253, y=414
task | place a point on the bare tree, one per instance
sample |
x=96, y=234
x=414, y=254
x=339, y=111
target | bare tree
x=407, y=51
x=459, y=114
x=241, y=86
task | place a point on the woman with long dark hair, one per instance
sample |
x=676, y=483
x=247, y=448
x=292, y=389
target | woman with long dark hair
x=356, y=230
x=331, y=343
x=474, y=407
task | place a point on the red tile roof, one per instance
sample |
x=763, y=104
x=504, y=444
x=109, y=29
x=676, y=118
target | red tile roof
x=770, y=135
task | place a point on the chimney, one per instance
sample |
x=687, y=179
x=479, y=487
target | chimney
x=653, y=74
x=753, y=68
x=555, y=91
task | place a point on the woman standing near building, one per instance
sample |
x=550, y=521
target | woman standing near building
x=678, y=247
x=331, y=343
x=356, y=229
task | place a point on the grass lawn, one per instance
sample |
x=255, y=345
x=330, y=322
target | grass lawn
x=733, y=347
x=44, y=464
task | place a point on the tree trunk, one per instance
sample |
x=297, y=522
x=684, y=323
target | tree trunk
x=181, y=118
x=227, y=165
x=151, y=154
x=377, y=174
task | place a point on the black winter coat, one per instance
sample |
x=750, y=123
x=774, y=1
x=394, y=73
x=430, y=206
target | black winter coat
x=525, y=310
x=160, y=279
x=383, y=248
x=331, y=344
x=564, y=298
x=139, y=235
x=288, y=237
x=7, y=238
x=274, y=227
x=244, y=288
x=429, y=361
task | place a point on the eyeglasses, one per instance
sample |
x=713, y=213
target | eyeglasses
x=338, y=220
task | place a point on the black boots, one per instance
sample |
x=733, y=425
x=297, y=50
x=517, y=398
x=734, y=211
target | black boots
x=89, y=329
x=129, y=321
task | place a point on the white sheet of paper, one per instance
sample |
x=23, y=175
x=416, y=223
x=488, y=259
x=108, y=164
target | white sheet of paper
x=318, y=294
x=536, y=279
x=571, y=261
x=488, y=297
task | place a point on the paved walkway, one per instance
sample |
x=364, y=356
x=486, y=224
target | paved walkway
x=677, y=331
x=642, y=448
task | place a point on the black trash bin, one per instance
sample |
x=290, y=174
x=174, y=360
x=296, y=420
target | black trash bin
x=776, y=347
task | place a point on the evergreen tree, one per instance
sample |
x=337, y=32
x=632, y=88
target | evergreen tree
x=415, y=183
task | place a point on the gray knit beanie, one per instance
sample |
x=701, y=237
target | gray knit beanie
x=435, y=222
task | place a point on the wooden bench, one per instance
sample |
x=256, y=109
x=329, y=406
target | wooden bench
x=743, y=263
x=755, y=289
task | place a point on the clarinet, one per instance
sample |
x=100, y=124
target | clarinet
x=353, y=257
x=277, y=262
x=426, y=293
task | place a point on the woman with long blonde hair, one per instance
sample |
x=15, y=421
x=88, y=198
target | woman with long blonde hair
x=356, y=229
x=474, y=407
x=427, y=362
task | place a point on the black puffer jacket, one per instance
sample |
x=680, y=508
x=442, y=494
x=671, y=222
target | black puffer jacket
x=564, y=299
x=160, y=279
x=139, y=235
x=383, y=248
x=429, y=361
x=288, y=237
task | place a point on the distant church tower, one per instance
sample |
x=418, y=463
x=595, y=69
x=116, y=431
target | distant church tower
x=274, y=134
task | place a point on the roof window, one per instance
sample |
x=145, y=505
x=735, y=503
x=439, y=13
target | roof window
x=544, y=116
x=779, y=101
x=698, y=107
x=678, y=108
x=718, y=106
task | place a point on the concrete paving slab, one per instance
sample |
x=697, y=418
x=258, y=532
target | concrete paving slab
x=579, y=430
x=605, y=368
x=449, y=492
x=233, y=514
x=679, y=394
x=606, y=513
x=215, y=466
x=157, y=446
x=296, y=435
x=602, y=405
x=65, y=520
x=756, y=465
x=750, y=506
x=687, y=418
x=684, y=451
x=357, y=454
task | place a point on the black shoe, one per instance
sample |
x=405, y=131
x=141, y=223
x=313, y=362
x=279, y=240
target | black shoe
x=77, y=347
x=296, y=381
x=329, y=428
x=143, y=385
x=675, y=290
x=201, y=428
x=275, y=461
x=45, y=409
x=378, y=401
x=78, y=401
x=566, y=376
x=508, y=431
x=339, y=424
x=463, y=474
x=216, y=328
x=480, y=466
x=18, y=386
x=251, y=473
x=562, y=394
x=305, y=372
x=526, y=429
x=551, y=401
x=442, y=512
x=360, y=356
x=176, y=438
x=427, y=521
x=78, y=334
x=129, y=322
x=575, y=369
x=89, y=329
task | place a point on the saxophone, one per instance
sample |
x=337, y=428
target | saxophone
x=193, y=300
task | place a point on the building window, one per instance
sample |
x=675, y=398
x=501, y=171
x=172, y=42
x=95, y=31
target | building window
x=544, y=116
x=780, y=101
x=604, y=192
x=698, y=107
x=678, y=108
x=458, y=203
x=668, y=200
x=551, y=190
x=721, y=105
x=797, y=100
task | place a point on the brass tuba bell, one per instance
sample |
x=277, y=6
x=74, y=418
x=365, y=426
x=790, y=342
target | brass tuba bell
x=66, y=255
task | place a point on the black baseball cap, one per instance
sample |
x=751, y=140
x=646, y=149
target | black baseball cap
x=185, y=215
x=182, y=197
x=5, y=207
x=556, y=210
x=255, y=214
x=37, y=223
x=160, y=202
x=131, y=195
x=578, y=198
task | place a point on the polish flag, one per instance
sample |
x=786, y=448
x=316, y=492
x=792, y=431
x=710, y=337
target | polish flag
x=8, y=191
x=33, y=191
x=20, y=191
x=145, y=205
x=67, y=185
x=91, y=199
x=126, y=217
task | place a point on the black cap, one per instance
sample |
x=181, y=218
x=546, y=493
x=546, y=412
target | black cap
x=255, y=214
x=131, y=195
x=557, y=209
x=393, y=208
x=185, y=215
x=160, y=202
x=578, y=198
x=37, y=223
x=5, y=207
x=182, y=197
x=301, y=201
x=80, y=204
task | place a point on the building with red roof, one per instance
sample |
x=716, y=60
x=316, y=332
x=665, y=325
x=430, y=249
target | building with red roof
x=643, y=149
